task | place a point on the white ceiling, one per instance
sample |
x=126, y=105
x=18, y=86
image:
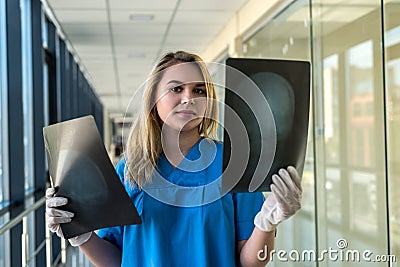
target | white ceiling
x=118, y=52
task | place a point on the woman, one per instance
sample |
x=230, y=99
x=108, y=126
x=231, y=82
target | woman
x=168, y=145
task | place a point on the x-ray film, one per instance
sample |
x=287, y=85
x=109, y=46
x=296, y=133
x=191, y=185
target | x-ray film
x=265, y=119
x=81, y=169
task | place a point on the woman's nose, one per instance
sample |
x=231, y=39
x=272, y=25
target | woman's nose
x=187, y=97
x=187, y=101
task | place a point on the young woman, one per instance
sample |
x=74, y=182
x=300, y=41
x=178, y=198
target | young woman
x=166, y=170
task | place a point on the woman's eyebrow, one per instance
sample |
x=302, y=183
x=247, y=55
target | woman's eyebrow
x=175, y=81
x=181, y=83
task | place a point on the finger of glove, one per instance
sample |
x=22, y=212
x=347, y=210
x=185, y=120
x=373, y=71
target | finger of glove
x=287, y=203
x=53, y=227
x=295, y=176
x=51, y=221
x=59, y=232
x=56, y=229
x=278, y=195
x=53, y=212
x=50, y=192
x=282, y=210
x=283, y=187
x=286, y=182
x=56, y=202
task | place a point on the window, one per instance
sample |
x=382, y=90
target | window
x=27, y=103
x=392, y=71
x=3, y=91
x=26, y=45
x=331, y=108
x=4, y=260
x=348, y=77
x=360, y=75
x=45, y=73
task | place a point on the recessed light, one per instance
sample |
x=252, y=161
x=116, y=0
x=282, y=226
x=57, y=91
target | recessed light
x=141, y=17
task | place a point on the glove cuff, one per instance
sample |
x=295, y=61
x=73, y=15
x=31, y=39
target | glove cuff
x=80, y=239
x=262, y=223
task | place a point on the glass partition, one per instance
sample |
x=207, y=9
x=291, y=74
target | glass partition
x=3, y=90
x=351, y=180
x=345, y=192
x=392, y=75
x=27, y=101
x=26, y=48
x=4, y=238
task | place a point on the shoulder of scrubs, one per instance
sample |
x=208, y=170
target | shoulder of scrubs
x=120, y=168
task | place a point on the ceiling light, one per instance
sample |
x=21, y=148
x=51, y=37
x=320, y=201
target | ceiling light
x=141, y=17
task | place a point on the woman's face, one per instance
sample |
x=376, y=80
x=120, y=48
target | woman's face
x=181, y=97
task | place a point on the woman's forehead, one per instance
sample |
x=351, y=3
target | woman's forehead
x=182, y=72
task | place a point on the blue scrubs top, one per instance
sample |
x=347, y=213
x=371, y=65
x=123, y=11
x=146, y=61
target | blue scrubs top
x=195, y=235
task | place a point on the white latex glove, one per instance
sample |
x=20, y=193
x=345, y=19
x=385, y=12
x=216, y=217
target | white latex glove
x=283, y=201
x=57, y=216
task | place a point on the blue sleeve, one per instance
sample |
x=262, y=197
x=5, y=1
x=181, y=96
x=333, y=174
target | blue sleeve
x=115, y=234
x=247, y=205
x=112, y=234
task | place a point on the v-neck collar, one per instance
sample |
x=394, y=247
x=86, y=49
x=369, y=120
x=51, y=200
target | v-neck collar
x=166, y=168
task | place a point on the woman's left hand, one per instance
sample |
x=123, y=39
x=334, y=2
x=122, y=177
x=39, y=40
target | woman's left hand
x=283, y=201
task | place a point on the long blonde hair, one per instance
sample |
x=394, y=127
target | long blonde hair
x=144, y=146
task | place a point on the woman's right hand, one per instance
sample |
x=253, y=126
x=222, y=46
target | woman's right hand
x=57, y=216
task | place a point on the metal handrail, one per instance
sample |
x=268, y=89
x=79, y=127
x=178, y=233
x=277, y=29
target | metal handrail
x=37, y=250
x=10, y=224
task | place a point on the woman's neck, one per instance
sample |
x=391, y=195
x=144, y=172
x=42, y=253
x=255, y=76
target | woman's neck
x=177, y=144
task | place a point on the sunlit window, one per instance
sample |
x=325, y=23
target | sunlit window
x=45, y=74
x=4, y=260
x=2, y=93
x=392, y=65
x=27, y=101
x=331, y=108
x=360, y=73
x=26, y=44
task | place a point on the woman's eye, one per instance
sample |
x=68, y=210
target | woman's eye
x=176, y=89
x=199, y=91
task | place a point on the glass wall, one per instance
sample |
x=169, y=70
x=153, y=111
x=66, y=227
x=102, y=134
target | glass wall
x=392, y=74
x=351, y=177
x=4, y=260
x=351, y=180
x=27, y=79
x=26, y=46
x=3, y=84
x=27, y=101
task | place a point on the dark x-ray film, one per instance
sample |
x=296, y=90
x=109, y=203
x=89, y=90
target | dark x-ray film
x=81, y=169
x=267, y=112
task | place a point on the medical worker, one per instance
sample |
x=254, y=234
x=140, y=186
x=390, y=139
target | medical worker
x=170, y=163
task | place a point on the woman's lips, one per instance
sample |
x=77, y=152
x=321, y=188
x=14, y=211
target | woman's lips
x=186, y=113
